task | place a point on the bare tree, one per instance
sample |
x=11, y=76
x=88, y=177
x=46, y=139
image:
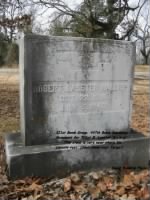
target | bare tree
x=95, y=18
x=12, y=18
x=142, y=33
x=130, y=23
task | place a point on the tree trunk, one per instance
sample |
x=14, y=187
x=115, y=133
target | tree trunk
x=145, y=60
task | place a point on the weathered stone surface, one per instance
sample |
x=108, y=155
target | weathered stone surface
x=49, y=160
x=74, y=85
x=74, y=90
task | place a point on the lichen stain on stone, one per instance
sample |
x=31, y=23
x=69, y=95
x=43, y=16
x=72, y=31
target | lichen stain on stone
x=86, y=61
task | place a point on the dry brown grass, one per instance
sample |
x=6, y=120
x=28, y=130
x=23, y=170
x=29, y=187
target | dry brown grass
x=141, y=68
x=9, y=108
x=141, y=98
x=140, y=113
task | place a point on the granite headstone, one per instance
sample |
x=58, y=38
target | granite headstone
x=75, y=103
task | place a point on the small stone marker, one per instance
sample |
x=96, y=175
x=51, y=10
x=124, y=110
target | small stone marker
x=74, y=93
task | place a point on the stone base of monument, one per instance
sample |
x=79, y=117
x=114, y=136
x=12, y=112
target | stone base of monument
x=61, y=159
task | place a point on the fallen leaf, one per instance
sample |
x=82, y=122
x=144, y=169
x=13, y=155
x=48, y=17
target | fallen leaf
x=39, y=196
x=107, y=180
x=127, y=180
x=120, y=191
x=131, y=197
x=94, y=191
x=67, y=185
x=75, y=178
x=81, y=188
x=102, y=186
x=94, y=175
x=145, y=193
x=124, y=197
x=116, y=197
x=136, y=179
x=72, y=197
x=35, y=187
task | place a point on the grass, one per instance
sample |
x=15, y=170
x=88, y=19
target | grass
x=142, y=68
x=8, y=125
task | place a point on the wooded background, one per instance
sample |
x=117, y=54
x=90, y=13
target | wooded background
x=110, y=19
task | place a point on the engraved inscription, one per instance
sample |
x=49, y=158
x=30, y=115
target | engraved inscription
x=53, y=87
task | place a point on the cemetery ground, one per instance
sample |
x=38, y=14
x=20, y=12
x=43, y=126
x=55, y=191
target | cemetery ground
x=121, y=184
